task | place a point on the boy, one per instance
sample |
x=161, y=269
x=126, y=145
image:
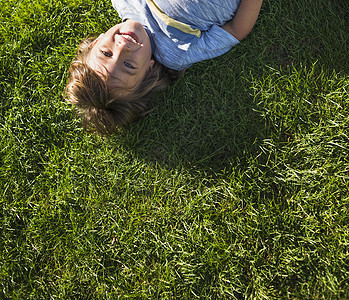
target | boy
x=114, y=75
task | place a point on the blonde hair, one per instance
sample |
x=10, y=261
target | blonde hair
x=103, y=111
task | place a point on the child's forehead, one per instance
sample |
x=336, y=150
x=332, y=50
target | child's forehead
x=113, y=82
x=117, y=83
x=120, y=88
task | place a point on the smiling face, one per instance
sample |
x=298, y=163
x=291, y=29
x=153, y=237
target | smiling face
x=123, y=55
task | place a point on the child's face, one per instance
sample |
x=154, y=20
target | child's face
x=123, y=53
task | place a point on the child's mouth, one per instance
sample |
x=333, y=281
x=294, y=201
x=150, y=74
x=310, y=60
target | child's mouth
x=130, y=36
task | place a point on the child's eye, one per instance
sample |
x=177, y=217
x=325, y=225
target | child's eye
x=105, y=53
x=128, y=65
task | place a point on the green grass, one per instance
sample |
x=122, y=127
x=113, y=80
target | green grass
x=234, y=187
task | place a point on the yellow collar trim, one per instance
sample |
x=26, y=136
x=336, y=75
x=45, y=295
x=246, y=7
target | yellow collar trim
x=173, y=23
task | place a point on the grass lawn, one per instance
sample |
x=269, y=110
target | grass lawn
x=234, y=187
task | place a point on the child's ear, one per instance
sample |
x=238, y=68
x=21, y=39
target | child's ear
x=95, y=41
x=151, y=64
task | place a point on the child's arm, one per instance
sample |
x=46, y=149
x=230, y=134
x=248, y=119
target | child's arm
x=245, y=18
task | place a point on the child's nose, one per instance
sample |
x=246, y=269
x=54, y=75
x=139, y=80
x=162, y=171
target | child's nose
x=122, y=45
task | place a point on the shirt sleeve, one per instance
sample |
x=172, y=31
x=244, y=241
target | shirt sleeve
x=212, y=43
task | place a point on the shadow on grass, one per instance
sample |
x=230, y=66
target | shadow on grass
x=202, y=122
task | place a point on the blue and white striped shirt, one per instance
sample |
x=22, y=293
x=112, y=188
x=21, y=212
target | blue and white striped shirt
x=184, y=31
